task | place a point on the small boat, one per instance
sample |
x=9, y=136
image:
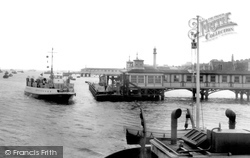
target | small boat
x=55, y=88
x=14, y=72
x=6, y=74
x=10, y=74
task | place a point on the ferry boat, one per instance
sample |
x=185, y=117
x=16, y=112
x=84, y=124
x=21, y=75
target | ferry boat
x=55, y=88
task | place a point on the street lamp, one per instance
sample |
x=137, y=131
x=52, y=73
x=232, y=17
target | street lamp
x=193, y=34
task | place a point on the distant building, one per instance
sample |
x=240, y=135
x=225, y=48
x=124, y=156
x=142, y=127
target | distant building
x=221, y=65
x=242, y=65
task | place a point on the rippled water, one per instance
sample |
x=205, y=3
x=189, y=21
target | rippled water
x=87, y=128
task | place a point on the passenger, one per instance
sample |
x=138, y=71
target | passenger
x=32, y=81
x=44, y=81
x=105, y=86
x=27, y=81
x=38, y=81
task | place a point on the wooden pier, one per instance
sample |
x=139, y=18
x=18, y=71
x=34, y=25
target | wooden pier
x=143, y=82
x=111, y=94
x=148, y=84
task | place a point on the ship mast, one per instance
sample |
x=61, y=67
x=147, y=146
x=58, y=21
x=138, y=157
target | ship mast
x=51, y=71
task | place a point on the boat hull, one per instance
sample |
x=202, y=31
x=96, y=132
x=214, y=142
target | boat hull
x=49, y=94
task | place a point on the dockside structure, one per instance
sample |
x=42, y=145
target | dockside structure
x=142, y=82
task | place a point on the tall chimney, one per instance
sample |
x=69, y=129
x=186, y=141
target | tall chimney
x=154, y=58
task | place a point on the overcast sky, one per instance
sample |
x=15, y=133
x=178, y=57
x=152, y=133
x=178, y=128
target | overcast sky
x=104, y=33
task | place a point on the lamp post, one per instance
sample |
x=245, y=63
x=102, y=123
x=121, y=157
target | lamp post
x=193, y=34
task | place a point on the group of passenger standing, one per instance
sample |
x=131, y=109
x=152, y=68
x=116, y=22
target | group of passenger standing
x=36, y=82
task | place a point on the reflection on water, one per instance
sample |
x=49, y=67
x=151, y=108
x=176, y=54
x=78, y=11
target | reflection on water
x=87, y=128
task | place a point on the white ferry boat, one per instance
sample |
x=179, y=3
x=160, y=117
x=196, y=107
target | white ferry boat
x=55, y=88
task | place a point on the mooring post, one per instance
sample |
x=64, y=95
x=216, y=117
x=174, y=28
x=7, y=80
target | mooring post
x=206, y=94
x=248, y=91
x=202, y=94
x=241, y=95
x=162, y=97
x=193, y=91
x=236, y=94
x=143, y=138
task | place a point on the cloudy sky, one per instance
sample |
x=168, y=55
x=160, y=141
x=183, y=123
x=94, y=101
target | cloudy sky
x=104, y=33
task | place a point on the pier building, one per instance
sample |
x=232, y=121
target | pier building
x=143, y=82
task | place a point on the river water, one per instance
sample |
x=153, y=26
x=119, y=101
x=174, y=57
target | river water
x=87, y=128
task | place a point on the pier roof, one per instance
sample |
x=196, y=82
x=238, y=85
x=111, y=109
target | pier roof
x=147, y=69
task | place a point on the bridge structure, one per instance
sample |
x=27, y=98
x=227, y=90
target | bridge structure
x=87, y=72
x=153, y=82
x=211, y=81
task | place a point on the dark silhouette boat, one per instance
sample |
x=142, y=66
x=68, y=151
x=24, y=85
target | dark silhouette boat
x=215, y=142
x=6, y=74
